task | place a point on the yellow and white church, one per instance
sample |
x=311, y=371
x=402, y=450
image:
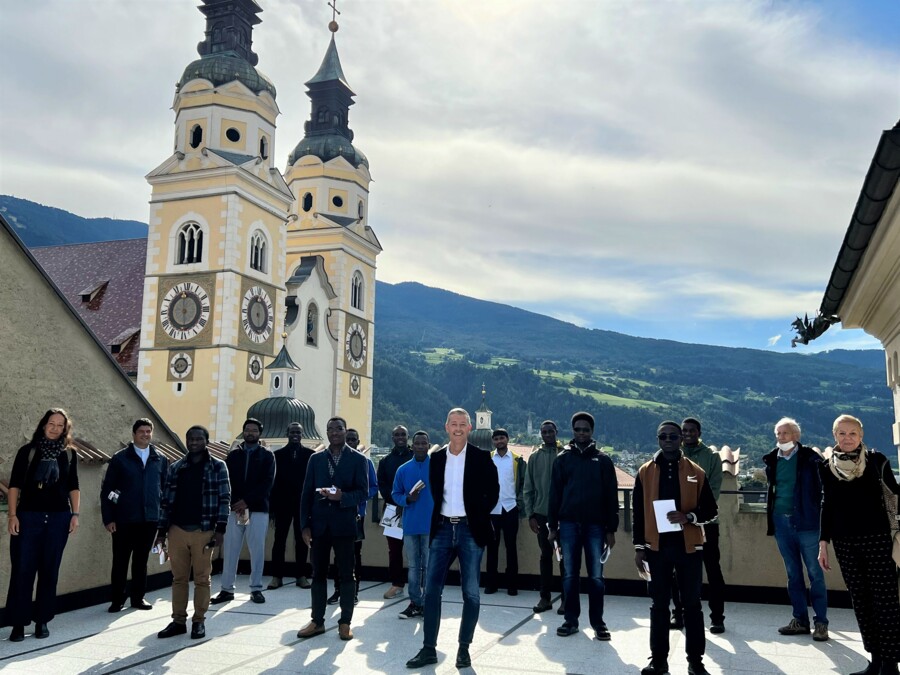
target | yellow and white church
x=245, y=263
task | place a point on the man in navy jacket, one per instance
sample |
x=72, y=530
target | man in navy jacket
x=129, y=503
x=336, y=482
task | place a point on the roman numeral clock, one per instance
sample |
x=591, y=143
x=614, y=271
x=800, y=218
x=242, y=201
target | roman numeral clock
x=257, y=315
x=184, y=311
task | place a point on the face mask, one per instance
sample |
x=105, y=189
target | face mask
x=784, y=447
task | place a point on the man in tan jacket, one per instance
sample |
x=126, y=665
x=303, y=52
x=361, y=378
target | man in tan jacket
x=672, y=542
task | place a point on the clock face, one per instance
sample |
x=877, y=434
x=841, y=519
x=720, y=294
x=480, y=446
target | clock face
x=355, y=345
x=257, y=316
x=185, y=311
x=180, y=365
x=255, y=368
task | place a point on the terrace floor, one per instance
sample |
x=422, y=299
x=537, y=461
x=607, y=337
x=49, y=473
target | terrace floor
x=246, y=638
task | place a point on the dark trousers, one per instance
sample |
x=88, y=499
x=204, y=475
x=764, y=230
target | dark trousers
x=130, y=542
x=714, y=579
x=283, y=520
x=322, y=545
x=357, y=566
x=547, y=556
x=688, y=569
x=871, y=577
x=395, y=562
x=37, y=551
x=506, y=525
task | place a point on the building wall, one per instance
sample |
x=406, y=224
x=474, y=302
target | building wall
x=48, y=359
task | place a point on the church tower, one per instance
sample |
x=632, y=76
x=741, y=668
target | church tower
x=215, y=270
x=330, y=320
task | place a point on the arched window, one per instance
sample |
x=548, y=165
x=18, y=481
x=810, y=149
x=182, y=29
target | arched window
x=307, y=201
x=312, y=324
x=264, y=148
x=356, y=291
x=322, y=115
x=360, y=209
x=196, y=136
x=190, y=244
x=258, y=252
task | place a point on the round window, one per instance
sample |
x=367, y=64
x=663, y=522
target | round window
x=233, y=135
x=337, y=201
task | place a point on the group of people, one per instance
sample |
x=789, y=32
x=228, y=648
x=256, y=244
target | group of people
x=455, y=502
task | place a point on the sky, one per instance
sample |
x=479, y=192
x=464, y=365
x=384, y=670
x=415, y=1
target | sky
x=680, y=170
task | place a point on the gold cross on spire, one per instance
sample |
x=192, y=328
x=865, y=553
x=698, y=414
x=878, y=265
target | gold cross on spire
x=333, y=24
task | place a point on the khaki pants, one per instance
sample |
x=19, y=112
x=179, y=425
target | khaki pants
x=189, y=550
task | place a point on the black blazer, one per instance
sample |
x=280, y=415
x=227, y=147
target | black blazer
x=481, y=490
x=324, y=515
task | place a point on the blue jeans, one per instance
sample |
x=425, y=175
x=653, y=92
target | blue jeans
x=451, y=542
x=37, y=551
x=573, y=538
x=800, y=548
x=416, y=546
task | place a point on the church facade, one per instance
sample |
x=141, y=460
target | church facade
x=243, y=260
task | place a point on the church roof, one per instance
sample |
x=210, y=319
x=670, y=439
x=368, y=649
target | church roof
x=330, y=70
x=343, y=221
x=283, y=361
x=277, y=412
x=104, y=283
x=327, y=147
x=233, y=157
x=226, y=67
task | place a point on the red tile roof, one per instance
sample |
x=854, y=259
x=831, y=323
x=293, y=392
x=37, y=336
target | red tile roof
x=113, y=272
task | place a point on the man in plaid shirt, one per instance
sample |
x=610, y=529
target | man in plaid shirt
x=193, y=517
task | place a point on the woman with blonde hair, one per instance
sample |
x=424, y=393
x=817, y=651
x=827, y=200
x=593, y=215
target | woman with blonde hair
x=43, y=512
x=855, y=519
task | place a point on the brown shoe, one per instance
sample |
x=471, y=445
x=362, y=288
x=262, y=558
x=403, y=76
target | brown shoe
x=393, y=592
x=311, y=630
x=275, y=583
x=344, y=631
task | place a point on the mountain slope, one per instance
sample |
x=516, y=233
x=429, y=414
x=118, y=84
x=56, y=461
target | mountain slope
x=39, y=225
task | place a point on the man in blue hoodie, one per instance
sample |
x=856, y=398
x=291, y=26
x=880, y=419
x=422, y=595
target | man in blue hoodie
x=412, y=494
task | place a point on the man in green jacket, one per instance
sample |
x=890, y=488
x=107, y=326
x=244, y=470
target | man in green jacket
x=697, y=451
x=536, y=496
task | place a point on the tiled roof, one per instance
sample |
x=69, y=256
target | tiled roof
x=115, y=309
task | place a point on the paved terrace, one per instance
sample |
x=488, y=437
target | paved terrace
x=246, y=638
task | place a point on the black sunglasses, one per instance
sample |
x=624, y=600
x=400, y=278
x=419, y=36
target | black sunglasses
x=669, y=437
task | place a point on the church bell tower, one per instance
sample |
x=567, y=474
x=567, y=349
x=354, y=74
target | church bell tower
x=215, y=269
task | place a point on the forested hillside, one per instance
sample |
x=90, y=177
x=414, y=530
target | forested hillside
x=435, y=348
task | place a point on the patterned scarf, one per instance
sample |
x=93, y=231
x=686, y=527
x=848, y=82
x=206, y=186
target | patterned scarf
x=333, y=461
x=848, y=469
x=47, y=472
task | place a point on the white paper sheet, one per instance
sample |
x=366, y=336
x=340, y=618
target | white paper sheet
x=661, y=507
x=393, y=532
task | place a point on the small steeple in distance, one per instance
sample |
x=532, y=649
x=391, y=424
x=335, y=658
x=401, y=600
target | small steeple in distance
x=483, y=414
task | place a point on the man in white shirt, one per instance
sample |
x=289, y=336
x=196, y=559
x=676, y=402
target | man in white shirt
x=464, y=484
x=505, y=516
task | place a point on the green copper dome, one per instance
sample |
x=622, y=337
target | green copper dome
x=224, y=67
x=326, y=147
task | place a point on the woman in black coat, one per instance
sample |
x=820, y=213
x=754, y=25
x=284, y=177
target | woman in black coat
x=43, y=512
x=855, y=519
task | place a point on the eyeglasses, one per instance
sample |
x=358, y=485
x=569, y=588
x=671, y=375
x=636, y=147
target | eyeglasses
x=581, y=430
x=669, y=437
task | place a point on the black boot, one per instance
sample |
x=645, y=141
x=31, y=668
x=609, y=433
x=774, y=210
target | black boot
x=872, y=668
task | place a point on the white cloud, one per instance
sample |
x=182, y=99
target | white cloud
x=624, y=155
x=774, y=340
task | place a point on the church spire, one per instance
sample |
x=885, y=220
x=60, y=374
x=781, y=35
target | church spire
x=229, y=28
x=327, y=133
